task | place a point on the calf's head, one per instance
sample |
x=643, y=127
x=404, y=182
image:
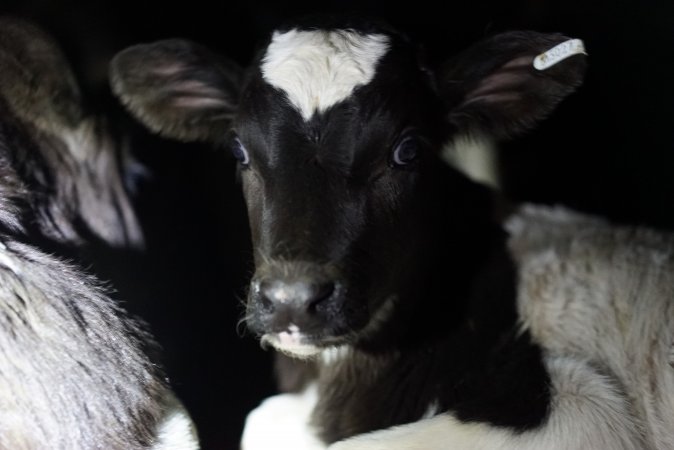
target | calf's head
x=337, y=133
x=61, y=170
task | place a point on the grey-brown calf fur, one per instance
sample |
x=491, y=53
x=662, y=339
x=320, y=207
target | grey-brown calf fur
x=74, y=369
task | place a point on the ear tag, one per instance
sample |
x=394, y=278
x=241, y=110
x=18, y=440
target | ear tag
x=559, y=53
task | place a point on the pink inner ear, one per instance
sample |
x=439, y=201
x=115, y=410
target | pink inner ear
x=167, y=70
x=190, y=102
x=522, y=62
x=196, y=95
x=493, y=97
x=504, y=84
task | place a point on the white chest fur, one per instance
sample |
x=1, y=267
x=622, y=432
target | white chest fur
x=282, y=422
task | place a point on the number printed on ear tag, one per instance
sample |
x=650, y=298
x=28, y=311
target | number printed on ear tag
x=558, y=53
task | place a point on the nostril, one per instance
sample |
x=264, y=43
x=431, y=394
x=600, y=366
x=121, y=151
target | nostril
x=320, y=293
x=261, y=291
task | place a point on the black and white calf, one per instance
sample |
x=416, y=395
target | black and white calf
x=74, y=369
x=417, y=318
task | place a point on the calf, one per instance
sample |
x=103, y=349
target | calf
x=415, y=317
x=74, y=373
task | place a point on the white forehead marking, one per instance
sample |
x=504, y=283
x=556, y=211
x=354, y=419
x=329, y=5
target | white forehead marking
x=317, y=69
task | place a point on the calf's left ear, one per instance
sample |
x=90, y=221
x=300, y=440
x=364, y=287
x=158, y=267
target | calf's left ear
x=177, y=88
x=36, y=81
x=505, y=84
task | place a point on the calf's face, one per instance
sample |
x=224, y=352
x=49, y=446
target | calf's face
x=337, y=132
x=330, y=175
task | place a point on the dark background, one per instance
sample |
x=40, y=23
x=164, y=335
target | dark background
x=608, y=150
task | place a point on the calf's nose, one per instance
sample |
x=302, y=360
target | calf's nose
x=304, y=297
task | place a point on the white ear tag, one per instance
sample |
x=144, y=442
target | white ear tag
x=558, y=53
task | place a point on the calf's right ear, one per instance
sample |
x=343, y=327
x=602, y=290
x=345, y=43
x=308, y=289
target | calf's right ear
x=177, y=88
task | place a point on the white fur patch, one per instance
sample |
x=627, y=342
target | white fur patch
x=317, y=69
x=476, y=156
x=282, y=422
x=602, y=293
x=177, y=432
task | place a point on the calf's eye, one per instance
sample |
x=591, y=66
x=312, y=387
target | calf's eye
x=406, y=151
x=239, y=152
